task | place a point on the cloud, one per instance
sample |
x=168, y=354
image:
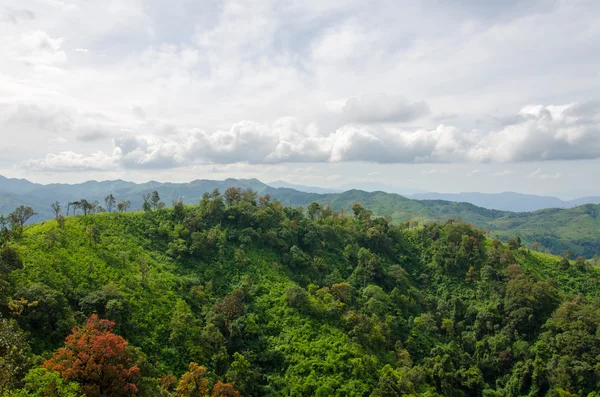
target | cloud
x=93, y=135
x=539, y=174
x=434, y=171
x=39, y=49
x=27, y=119
x=16, y=16
x=473, y=172
x=545, y=133
x=70, y=161
x=383, y=108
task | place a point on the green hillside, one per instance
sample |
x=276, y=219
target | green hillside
x=272, y=301
x=556, y=230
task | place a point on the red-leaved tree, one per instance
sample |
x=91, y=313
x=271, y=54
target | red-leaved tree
x=221, y=389
x=97, y=359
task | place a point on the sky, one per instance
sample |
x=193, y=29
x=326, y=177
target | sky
x=436, y=95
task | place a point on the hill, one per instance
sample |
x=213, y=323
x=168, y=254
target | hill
x=276, y=302
x=508, y=201
x=556, y=230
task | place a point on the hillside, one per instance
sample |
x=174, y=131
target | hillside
x=275, y=302
x=556, y=230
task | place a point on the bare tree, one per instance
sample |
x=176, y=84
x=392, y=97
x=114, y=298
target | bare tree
x=56, y=208
x=109, y=202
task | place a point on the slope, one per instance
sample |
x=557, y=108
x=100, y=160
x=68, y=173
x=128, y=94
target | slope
x=281, y=305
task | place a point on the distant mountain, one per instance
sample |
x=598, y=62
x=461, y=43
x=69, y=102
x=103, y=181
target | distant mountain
x=585, y=200
x=17, y=186
x=508, y=201
x=380, y=187
x=557, y=230
x=14, y=192
x=303, y=188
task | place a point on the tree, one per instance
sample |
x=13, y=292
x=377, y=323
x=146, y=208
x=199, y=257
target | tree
x=93, y=234
x=56, y=208
x=514, y=243
x=193, y=383
x=41, y=382
x=109, y=202
x=123, y=206
x=155, y=200
x=14, y=355
x=20, y=216
x=241, y=374
x=147, y=206
x=97, y=359
x=47, y=316
x=314, y=209
x=4, y=230
x=9, y=259
x=87, y=207
x=221, y=389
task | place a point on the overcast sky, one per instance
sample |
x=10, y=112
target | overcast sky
x=467, y=95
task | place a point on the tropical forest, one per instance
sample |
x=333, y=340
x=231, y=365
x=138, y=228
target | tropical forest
x=242, y=295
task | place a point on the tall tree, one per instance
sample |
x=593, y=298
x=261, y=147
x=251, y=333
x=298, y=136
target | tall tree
x=56, y=208
x=155, y=200
x=97, y=359
x=109, y=202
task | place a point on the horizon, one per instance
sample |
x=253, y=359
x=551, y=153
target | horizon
x=299, y=186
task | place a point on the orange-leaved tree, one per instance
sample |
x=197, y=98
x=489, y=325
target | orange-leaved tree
x=221, y=389
x=194, y=382
x=97, y=359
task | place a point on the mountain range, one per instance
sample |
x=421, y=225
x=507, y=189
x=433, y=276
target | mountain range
x=575, y=228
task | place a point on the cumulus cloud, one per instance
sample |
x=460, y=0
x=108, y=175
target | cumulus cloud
x=545, y=133
x=70, y=161
x=383, y=108
x=566, y=132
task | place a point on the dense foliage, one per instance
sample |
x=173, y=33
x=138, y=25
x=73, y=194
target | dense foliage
x=557, y=231
x=240, y=295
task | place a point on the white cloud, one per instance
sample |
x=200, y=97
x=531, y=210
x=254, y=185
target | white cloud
x=69, y=161
x=542, y=133
x=39, y=49
x=566, y=132
x=539, y=174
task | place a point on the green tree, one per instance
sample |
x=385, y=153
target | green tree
x=14, y=355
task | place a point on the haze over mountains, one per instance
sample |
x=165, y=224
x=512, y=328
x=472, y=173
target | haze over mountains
x=505, y=201
x=555, y=229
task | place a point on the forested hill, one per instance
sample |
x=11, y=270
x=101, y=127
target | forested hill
x=241, y=295
x=553, y=230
